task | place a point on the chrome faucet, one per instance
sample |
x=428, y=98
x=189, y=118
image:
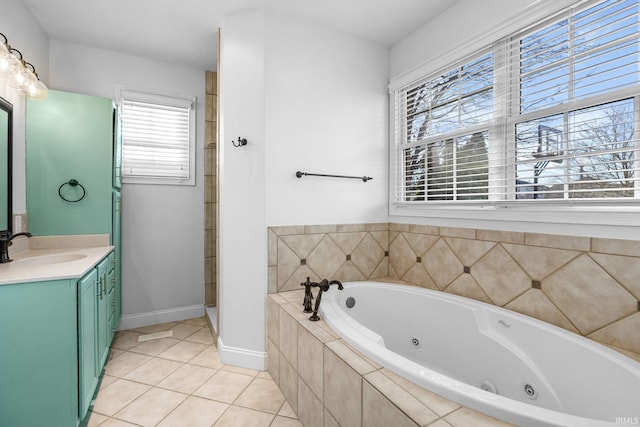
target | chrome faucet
x=5, y=241
x=324, y=287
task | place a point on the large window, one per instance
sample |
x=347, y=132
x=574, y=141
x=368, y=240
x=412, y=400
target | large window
x=550, y=113
x=157, y=139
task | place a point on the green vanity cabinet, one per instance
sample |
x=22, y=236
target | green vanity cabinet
x=74, y=136
x=39, y=354
x=54, y=343
x=89, y=367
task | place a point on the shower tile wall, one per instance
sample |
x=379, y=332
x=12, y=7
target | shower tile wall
x=210, y=198
x=586, y=285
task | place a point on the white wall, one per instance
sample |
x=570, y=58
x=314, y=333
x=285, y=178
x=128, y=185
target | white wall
x=162, y=225
x=306, y=98
x=326, y=113
x=24, y=34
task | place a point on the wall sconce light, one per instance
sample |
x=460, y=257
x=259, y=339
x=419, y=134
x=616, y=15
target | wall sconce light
x=19, y=73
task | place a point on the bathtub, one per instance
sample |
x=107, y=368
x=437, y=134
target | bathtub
x=495, y=361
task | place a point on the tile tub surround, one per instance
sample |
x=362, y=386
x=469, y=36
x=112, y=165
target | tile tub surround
x=328, y=383
x=585, y=285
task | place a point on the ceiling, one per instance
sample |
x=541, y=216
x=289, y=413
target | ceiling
x=184, y=31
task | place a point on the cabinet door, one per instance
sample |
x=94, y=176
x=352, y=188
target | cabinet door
x=38, y=354
x=116, y=241
x=87, y=324
x=69, y=136
x=101, y=299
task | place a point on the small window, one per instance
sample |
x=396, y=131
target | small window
x=158, y=139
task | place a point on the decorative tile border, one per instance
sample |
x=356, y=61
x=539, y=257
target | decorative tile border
x=586, y=285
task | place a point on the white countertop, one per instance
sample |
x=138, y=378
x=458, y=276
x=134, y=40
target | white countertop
x=76, y=261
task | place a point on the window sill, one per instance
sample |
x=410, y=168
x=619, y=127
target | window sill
x=595, y=220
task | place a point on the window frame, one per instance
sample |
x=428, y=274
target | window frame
x=153, y=97
x=575, y=211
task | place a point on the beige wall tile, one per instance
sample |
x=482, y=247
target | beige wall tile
x=616, y=246
x=349, y=273
x=420, y=243
x=500, y=277
x=272, y=256
x=285, y=422
x=382, y=238
x=310, y=409
x=580, y=287
x=300, y=275
x=468, y=251
x=465, y=233
x=273, y=321
x=289, y=383
x=356, y=361
x=272, y=280
x=326, y=258
x=347, y=241
x=466, y=286
x=288, y=230
x=288, y=263
x=558, y=241
x=535, y=303
x=401, y=256
x=302, y=244
x=436, y=403
x=623, y=334
x=378, y=411
x=367, y=255
x=310, y=361
x=399, y=397
x=322, y=228
x=423, y=229
x=465, y=417
x=288, y=336
x=273, y=361
x=501, y=236
x=382, y=270
x=442, y=264
x=347, y=228
x=384, y=226
x=418, y=275
x=329, y=421
x=624, y=269
x=537, y=262
x=342, y=390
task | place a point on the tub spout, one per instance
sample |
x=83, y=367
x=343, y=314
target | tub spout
x=324, y=287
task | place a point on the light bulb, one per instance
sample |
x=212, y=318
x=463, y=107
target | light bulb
x=8, y=60
x=37, y=90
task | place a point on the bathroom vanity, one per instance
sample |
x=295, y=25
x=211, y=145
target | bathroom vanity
x=58, y=317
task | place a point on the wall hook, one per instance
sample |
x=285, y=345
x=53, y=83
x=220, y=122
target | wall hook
x=241, y=142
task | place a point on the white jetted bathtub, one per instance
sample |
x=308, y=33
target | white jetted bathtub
x=495, y=361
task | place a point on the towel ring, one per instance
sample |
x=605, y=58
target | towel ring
x=72, y=183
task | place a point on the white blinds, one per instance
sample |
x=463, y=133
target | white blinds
x=156, y=140
x=550, y=113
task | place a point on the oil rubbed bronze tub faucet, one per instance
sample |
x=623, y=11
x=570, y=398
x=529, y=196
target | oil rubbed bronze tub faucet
x=324, y=287
x=308, y=295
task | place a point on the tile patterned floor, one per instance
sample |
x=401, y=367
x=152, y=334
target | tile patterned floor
x=180, y=382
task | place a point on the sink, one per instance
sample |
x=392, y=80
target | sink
x=50, y=259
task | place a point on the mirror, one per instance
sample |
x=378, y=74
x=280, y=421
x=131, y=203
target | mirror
x=6, y=120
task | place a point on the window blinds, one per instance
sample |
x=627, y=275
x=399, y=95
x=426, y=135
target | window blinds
x=549, y=113
x=156, y=140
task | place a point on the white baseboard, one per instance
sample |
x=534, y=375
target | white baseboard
x=242, y=357
x=139, y=320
